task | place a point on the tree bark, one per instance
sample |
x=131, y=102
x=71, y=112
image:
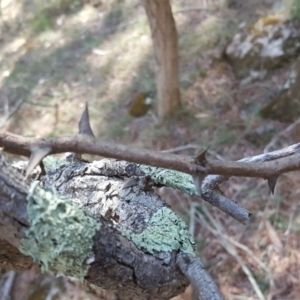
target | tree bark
x=164, y=37
x=39, y=228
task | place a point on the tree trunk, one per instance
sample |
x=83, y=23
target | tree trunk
x=164, y=37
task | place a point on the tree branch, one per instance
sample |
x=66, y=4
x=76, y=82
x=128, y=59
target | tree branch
x=193, y=268
x=141, y=241
x=270, y=165
x=136, y=244
x=84, y=144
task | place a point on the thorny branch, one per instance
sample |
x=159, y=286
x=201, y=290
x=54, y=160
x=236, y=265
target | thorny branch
x=285, y=160
x=115, y=258
x=208, y=174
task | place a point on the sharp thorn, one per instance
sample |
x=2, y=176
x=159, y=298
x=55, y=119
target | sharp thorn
x=198, y=179
x=84, y=123
x=201, y=158
x=272, y=183
x=36, y=157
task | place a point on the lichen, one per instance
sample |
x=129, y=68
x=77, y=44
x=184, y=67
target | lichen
x=165, y=232
x=60, y=236
x=51, y=162
x=175, y=179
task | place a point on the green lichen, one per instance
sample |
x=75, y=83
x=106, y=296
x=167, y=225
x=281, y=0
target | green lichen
x=51, y=162
x=165, y=232
x=60, y=234
x=174, y=179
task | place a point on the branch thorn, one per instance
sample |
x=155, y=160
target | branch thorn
x=272, y=183
x=201, y=158
x=84, y=123
x=37, y=154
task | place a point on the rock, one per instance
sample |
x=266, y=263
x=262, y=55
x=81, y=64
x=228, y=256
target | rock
x=267, y=45
x=285, y=106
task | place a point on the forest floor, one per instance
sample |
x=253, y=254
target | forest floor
x=57, y=55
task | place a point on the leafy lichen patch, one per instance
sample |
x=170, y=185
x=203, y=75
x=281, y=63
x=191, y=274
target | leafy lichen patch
x=171, y=178
x=60, y=235
x=51, y=162
x=165, y=232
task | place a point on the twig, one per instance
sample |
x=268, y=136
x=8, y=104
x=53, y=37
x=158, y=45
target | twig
x=6, y=288
x=281, y=134
x=193, y=269
x=240, y=137
x=243, y=247
x=230, y=248
x=40, y=104
x=188, y=9
x=54, y=291
x=291, y=218
x=192, y=219
x=248, y=273
x=220, y=234
x=209, y=189
x=12, y=112
x=182, y=148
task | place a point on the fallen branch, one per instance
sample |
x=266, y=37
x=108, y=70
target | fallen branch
x=42, y=228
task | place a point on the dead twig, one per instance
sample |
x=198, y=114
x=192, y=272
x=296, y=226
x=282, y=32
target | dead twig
x=7, y=285
x=193, y=269
x=12, y=112
x=281, y=134
x=228, y=246
x=182, y=148
x=189, y=9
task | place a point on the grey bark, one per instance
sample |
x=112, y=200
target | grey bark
x=119, y=265
x=202, y=283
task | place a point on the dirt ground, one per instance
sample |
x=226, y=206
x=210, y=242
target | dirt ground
x=56, y=55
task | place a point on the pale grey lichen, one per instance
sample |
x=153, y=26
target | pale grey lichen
x=174, y=179
x=165, y=232
x=60, y=236
x=51, y=162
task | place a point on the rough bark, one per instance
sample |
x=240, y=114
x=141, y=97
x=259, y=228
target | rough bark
x=283, y=160
x=117, y=263
x=164, y=37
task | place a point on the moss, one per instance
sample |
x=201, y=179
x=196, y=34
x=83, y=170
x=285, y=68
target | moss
x=165, y=232
x=61, y=234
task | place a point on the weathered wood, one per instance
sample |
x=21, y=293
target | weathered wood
x=117, y=260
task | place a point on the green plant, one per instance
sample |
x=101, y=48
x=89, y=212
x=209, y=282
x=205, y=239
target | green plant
x=41, y=22
x=295, y=9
